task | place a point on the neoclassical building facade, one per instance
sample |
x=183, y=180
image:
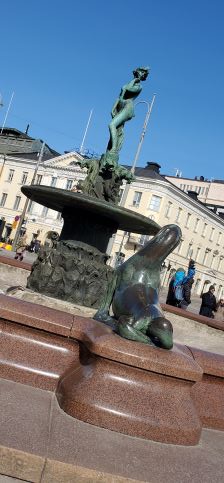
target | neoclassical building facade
x=151, y=194
x=61, y=172
x=156, y=197
x=210, y=192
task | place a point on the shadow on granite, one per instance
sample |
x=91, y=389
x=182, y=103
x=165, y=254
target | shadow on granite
x=40, y=442
x=103, y=379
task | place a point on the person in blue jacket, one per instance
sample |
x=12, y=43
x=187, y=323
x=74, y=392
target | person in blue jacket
x=179, y=292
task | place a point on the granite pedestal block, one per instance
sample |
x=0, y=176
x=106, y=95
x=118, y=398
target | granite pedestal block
x=107, y=381
x=208, y=394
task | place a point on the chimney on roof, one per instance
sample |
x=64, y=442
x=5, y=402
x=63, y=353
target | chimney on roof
x=153, y=166
x=193, y=195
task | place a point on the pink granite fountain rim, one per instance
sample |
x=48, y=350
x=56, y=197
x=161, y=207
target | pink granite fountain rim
x=216, y=324
x=101, y=340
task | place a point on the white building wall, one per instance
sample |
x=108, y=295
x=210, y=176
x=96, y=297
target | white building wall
x=175, y=207
x=37, y=218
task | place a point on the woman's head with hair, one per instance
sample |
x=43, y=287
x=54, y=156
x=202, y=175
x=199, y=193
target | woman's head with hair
x=211, y=288
x=179, y=276
x=141, y=73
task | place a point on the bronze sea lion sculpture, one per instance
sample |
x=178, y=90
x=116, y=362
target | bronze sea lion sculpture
x=133, y=294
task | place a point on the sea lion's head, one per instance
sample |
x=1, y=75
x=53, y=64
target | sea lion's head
x=160, y=331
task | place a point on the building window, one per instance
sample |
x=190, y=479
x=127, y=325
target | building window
x=137, y=198
x=11, y=174
x=206, y=256
x=197, y=253
x=188, y=220
x=179, y=247
x=219, y=238
x=212, y=234
x=213, y=260
x=30, y=207
x=196, y=225
x=198, y=281
x=53, y=181
x=204, y=229
x=144, y=239
x=178, y=214
x=17, y=202
x=168, y=208
x=44, y=211
x=202, y=191
x=190, y=251
x=59, y=217
x=24, y=177
x=69, y=184
x=39, y=179
x=3, y=199
x=155, y=203
x=220, y=263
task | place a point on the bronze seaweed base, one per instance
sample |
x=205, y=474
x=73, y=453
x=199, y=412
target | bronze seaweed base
x=72, y=271
x=76, y=269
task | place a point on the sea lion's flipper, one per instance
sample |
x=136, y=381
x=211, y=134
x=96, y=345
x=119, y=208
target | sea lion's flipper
x=127, y=331
x=106, y=319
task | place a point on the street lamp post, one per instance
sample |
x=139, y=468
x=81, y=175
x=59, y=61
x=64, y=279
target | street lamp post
x=7, y=112
x=85, y=133
x=148, y=114
x=22, y=216
x=144, y=128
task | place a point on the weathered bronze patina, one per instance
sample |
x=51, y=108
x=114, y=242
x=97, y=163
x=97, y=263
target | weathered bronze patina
x=75, y=268
x=134, y=292
x=105, y=176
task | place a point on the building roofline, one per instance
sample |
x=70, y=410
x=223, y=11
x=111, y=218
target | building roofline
x=162, y=179
x=196, y=180
x=16, y=131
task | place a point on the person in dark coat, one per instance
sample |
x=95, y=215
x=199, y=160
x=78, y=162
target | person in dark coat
x=187, y=286
x=208, y=304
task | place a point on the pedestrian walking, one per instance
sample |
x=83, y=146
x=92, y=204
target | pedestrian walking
x=219, y=315
x=187, y=286
x=179, y=293
x=21, y=248
x=174, y=296
x=208, y=303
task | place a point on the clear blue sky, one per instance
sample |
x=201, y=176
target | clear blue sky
x=63, y=58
